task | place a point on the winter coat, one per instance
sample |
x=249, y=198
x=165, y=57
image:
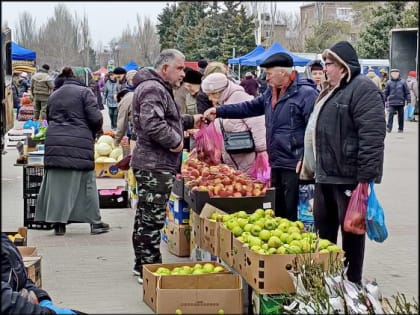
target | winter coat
x=350, y=131
x=203, y=102
x=190, y=104
x=124, y=116
x=413, y=87
x=285, y=123
x=396, y=92
x=180, y=95
x=13, y=279
x=250, y=85
x=236, y=94
x=158, y=124
x=41, y=85
x=73, y=121
x=94, y=86
x=23, y=86
x=110, y=93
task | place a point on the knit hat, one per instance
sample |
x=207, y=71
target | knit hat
x=130, y=75
x=119, y=70
x=192, y=76
x=45, y=67
x=395, y=70
x=278, y=60
x=315, y=65
x=215, y=82
x=202, y=63
x=345, y=54
x=412, y=74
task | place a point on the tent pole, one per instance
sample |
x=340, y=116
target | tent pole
x=239, y=70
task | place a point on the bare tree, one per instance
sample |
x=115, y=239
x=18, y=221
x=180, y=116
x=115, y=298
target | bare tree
x=292, y=22
x=26, y=33
x=254, y=9
x=147, y=41
x=85, y=40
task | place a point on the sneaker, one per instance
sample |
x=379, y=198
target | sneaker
x=99, y=228
x=388, y=129
x=136, y=272
x=140, y=280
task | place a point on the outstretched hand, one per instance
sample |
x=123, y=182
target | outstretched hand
x=210, y=113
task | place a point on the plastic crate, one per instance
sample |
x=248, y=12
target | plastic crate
x=32, y=179
x=29, y=205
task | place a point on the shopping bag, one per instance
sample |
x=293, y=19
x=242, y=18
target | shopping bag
x=209, y=144
x=409, y=112
x=355, y=218
x=375, y=218
x=260, y=169
x=305, y=204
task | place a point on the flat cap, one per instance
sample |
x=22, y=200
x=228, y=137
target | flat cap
x=278, y=60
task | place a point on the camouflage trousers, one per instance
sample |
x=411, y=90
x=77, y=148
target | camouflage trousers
x=154, y=189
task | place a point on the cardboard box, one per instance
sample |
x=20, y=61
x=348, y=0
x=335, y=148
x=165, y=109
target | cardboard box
x=197, y=199
x=238, y=256
x=195, y=230
x=192, y=294
x=226, y=245
x=108, y=170
x=32, y=262
x=209, y=230
x=268, y=274
x=178, y=239
x=20, y=241
x=179, y=211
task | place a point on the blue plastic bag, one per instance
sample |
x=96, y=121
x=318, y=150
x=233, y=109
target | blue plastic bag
x=375, y=218
x=409, y=112
x=305, y=204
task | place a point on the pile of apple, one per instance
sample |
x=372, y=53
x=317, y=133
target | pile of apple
x=197, y=269
x=219, y=180
x=266, y=235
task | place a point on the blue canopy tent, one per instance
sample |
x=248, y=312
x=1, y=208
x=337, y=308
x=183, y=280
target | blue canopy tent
x=256, y=51
x=131, y=66
x=275, y=48
x=21, y=53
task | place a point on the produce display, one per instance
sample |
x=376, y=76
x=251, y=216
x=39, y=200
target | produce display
x=219, y=180
x=105, y=150
x=266, y=234
x=14, y=237
x=40, y=135
x=197, y=269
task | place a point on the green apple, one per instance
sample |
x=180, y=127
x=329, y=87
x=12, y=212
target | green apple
x=177, y=269
x=300, y=225
x=264, y=246
x=253, y=218
x=283, y=226
x=178, y=311
x=293, y=229
x=260, y=222
x=208, y=267
x=296, y=236
x=248, y=227
x=323, y=243
x=187, y=269
x=333, y=248
x=242, y=214
x=305, y=245
x=198, y=272
x=231, y=224
x=269, y=213
x=196, y=266
x=260, y=212
x=255, y=248
x=272, y=250
x=277, y=233
x=281, y=250
x=220, y=312
x=270, y=224
x=284, y=238
x=293, y=249
x=218, y=269
x=262, y=252
x=324, y=251
x=237, y=231
x=242, y=222
x=254, y=241
x=163, y=271
x=295, y=243
x=227, y=217
x=256, y=229
x=274, y=242
x=264, y=235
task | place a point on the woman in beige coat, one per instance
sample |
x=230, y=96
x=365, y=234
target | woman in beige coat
x=221, y=90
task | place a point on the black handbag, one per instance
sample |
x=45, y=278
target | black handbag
x=237, y=142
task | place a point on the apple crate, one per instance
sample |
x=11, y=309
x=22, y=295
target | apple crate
x=197, y=199
x=108, y=170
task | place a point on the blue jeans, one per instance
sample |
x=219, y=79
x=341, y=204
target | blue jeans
x=400, y=111
x=113, y=115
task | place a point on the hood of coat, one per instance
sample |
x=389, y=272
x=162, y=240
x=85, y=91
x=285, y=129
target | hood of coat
x=229, y=90
x=146, y=74
x=345, y=54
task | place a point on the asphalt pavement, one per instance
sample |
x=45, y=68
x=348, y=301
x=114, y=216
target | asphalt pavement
x=92, y=273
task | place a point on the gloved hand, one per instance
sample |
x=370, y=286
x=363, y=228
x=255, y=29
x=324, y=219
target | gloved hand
x=58, y=310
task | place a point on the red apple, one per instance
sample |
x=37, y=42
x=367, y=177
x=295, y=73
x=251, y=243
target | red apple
x=237, y=194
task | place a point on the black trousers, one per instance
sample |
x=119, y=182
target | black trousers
x=330, y=206
x=400, y=111
x=286, y=183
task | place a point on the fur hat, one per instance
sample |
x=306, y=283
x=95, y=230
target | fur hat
x=192, y=76
x=278, y=60
x=215, y=82
x=119, y=70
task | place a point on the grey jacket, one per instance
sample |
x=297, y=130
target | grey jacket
x=157, y=123
x=42, y=85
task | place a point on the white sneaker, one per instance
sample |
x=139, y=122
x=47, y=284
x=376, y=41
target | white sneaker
x=136, y=273
x=140, y=280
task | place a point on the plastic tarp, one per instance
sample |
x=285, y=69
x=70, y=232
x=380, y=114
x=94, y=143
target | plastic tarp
x=275, y=48
x=22, y=53
x=131, y=66
x=256, y=51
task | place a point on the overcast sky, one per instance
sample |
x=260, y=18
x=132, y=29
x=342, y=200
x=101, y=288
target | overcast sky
x=107, y=19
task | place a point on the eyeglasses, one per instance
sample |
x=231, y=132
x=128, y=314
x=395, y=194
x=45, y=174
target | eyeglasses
x=328, y=64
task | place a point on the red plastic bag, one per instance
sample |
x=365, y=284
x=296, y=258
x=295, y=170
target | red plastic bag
x=261, y=168
x=355, y=219
x=209, y=144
